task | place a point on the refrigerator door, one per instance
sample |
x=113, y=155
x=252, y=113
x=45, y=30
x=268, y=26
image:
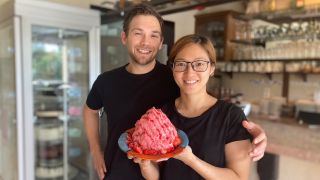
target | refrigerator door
x=8, y=110
x=60, y=60
x=60, y=81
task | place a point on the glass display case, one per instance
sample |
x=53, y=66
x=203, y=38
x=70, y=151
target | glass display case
x=59, y=79
x=53, y=51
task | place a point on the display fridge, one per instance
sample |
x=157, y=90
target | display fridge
x=49, y=58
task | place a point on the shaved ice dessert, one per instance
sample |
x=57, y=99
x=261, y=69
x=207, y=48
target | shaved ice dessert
x=153, y=134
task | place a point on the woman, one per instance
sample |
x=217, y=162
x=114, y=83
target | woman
x=219, y=144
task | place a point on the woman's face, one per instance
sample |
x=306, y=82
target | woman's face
x=191, y=81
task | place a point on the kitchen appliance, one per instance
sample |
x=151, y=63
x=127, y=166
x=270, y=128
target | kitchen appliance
x=237, y=99
x=246, y=107
x=308, y=112
x=311, y=118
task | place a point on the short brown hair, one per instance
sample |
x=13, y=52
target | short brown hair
x=204, y=42
x=140, y=9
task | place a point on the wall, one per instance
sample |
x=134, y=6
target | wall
x=253, y=85
x=303, y=89
x=185, y=21
x=4, y=1
x=77, y=3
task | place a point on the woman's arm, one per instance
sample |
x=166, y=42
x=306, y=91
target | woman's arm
x=149, y=169
x=237, y=159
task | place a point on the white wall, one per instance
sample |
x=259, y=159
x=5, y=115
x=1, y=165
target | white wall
x=77, y=3
x=185, y=21
x=4, y=1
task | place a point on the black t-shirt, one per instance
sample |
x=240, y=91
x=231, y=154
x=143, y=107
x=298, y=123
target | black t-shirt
x=125, y=97
x=208, y=134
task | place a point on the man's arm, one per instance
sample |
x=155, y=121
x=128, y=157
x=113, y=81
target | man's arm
x=259, y=143
x=91, y=124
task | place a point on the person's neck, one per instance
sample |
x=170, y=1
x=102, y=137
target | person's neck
x=194, y=105
x=135, y=68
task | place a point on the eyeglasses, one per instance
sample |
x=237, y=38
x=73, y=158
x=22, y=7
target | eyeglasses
x=198, y=65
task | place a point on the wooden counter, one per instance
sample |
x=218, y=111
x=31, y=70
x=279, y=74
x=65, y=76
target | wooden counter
x=287, y=137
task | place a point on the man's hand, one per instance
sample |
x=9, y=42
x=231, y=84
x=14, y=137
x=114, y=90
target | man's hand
x=99, y=165
x=259, y=142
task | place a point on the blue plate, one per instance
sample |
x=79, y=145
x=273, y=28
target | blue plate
x=122, y=142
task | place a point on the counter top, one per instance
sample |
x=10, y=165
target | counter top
x=287, y=137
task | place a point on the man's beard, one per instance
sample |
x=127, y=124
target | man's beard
x=145, y=62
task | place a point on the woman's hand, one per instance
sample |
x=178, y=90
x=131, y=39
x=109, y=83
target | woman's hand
x=186, y=155
x=149, y=169
x=259, y=142
x=141, y=162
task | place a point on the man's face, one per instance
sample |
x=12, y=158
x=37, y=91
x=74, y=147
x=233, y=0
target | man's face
x=143, y=40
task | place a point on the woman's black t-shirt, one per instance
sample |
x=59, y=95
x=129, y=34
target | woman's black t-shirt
x=208, y=134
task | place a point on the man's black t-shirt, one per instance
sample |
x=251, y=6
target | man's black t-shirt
x=125, y=97
x=208, y=134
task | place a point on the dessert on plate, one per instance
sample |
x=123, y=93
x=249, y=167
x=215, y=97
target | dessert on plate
x=153, y=134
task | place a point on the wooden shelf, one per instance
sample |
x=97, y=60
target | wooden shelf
x=247, y=42
x=304, y=75
x=273, y=60
x=222, y=20
x=268, y=74
x=281, y=15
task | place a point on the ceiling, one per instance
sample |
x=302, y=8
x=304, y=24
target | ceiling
x=119, y=7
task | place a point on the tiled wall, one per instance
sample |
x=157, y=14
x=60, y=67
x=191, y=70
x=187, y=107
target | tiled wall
x=300, y=89
x=253, y=85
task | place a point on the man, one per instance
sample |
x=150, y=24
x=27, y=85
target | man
x=127, y=92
